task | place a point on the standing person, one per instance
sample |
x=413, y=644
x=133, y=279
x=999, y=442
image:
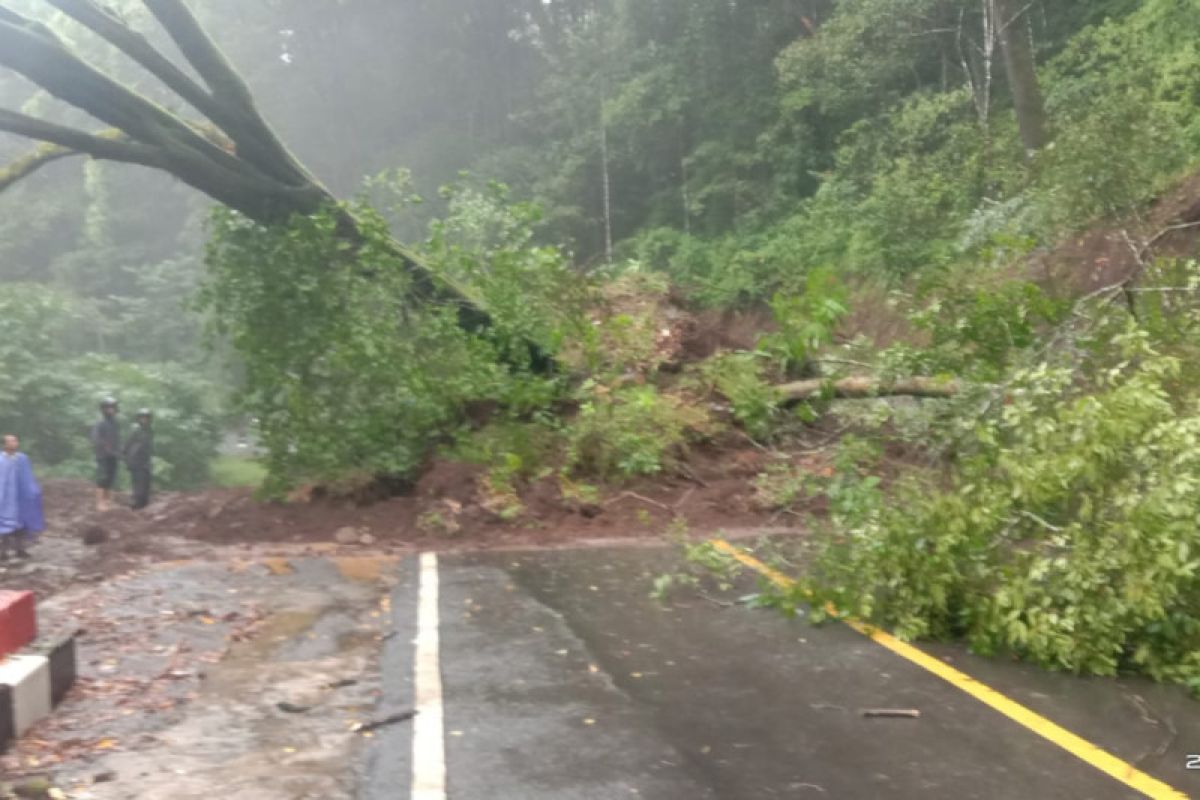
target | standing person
x=20, y=500
x=139, y=454
x=106, y=442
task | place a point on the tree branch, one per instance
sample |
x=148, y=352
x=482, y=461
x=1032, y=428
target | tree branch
x=229, y=89
x=859, y=387
x=112, y=144
x=104, y=24
x=133, y=44
x=184, y=151
x=201, y=52
x=27, y=165
x=45, y=60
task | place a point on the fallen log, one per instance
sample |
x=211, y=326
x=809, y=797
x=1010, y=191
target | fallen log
x=866, y=387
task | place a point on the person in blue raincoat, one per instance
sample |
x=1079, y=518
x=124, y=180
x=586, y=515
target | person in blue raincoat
x=21, y=515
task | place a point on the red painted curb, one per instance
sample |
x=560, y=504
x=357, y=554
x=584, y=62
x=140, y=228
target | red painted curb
x=18, y=621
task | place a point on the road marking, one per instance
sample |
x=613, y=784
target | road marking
x=429, y=745
x=1077, y=746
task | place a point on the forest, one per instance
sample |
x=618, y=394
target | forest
x=949, y=244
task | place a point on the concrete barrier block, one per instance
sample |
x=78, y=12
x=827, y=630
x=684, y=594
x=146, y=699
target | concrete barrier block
x=18, y=621
x=28, y=680
x=34, y=682
x=8, y=730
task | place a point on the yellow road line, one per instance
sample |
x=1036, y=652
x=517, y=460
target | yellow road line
x=1075, y=745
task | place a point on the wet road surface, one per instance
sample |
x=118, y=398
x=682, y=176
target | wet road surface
x=557, y=676
x=183, y=669
x=563, y=679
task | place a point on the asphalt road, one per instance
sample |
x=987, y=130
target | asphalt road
x=561, y=678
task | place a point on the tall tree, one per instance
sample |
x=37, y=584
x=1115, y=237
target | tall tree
x=1013, y=20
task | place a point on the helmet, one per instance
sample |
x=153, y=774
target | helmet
x=108, y=402
x=145, y=412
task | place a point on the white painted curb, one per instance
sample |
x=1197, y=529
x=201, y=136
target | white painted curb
x=32, y=684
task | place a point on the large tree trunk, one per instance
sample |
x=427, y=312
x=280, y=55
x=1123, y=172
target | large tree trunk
x=1013, y=18
x=233, y=155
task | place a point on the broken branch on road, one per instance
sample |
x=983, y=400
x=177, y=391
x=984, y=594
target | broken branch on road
x=401, y=716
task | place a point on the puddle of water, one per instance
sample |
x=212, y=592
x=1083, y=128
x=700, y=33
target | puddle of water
x=366, y=569
x=279, y=566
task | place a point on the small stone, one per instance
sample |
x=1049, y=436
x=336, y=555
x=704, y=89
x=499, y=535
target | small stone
x=366, y=539
x=33, y=788
x=94, y=534
x=346, y=535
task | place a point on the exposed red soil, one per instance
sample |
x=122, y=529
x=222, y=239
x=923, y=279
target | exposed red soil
x=450, y=507
x=707, y=332
x=1114, y=251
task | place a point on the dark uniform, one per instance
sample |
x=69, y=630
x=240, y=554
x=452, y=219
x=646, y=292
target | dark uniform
x=106, y=441
x=139, y=453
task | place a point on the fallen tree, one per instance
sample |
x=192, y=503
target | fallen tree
x=865, y=387
x=229, y=153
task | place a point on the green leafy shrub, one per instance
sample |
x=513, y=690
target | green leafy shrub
x=740, y=378
x=978, y=325
x=1068, y=537
x=630, y=431
x=805, y=322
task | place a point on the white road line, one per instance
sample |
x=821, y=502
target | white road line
x=429, y=744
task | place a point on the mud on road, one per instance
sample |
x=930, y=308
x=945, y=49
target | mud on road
x=243, y=675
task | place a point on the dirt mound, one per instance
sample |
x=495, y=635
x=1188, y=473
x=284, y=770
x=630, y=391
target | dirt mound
x=1115, y=250
x=449, y=507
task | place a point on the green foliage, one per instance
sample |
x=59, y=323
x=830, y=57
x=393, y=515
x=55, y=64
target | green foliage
x=327, y=372
x=624, y=335
x=978, y=325
x=741, y=379
x=630, y=431
x=703, y=563
x=485, y=244
x=1066, y=536
x=781, y=486
x=512, y=451
x=845, y=483
x=237, y=472
x=500, y=488
x=346, y=372
x=910, y=166
x=49, y=396
x=805, y=322
x=1124, y=95
x=522, y=448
